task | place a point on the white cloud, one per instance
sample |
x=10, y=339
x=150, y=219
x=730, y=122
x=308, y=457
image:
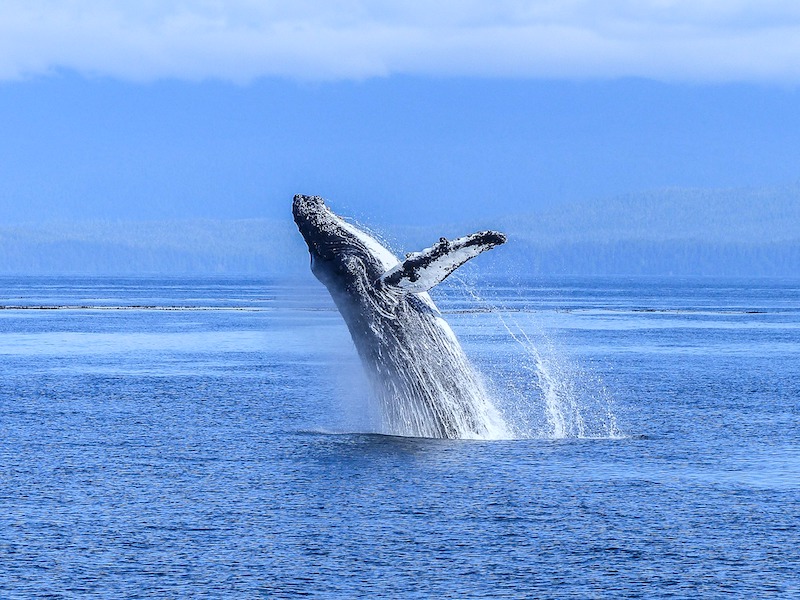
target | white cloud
x=239, y=40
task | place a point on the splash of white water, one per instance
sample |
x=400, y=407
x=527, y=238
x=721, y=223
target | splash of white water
x=572, y=406
x=549, y=396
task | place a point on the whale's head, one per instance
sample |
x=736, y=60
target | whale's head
x=340, y=252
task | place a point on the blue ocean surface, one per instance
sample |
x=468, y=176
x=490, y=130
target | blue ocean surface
x=216, y=438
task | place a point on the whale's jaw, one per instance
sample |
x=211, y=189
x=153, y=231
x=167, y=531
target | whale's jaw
x=317, y=224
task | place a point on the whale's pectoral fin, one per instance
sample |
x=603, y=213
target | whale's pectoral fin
x=423, y=270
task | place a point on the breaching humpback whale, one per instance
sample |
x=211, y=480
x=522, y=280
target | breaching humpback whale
x=414, y=361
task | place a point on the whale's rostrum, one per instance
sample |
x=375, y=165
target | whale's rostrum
x=425, y=383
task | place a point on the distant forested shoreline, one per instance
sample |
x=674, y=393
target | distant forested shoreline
x=680, y=232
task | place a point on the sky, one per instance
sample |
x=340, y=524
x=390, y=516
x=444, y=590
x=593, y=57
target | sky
x=398, y=111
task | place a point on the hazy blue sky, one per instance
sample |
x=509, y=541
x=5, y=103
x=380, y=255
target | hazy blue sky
x=149, y=110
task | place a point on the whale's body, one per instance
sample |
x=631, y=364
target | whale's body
x=414, y=361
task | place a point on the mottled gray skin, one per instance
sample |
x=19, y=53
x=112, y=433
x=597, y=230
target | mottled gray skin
x=408, y=351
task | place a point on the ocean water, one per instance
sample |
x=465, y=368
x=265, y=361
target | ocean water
x=215, y=438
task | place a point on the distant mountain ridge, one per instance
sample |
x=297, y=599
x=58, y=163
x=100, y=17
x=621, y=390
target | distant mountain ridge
x=251, y=246
x=680, y=232
x=764, y=215
x=687, y=232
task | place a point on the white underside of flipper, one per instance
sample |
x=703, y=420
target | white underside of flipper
x=423, y=270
